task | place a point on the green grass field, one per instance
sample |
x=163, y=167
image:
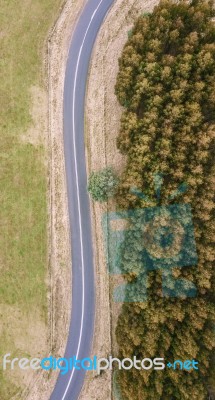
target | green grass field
x=24, y=26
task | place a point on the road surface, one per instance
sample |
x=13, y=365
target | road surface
x=68, y=386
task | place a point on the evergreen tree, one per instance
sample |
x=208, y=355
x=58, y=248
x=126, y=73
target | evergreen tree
x=166, y=85
x=102, y=185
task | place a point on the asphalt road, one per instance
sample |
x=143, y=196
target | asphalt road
x=68, y=386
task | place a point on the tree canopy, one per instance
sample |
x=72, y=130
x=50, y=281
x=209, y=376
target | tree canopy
x=166, y=84
x=102, y=184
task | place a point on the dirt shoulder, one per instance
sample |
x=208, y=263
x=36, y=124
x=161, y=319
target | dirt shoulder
x=59, y=279
x=102, y=126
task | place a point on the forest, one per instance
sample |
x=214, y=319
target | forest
x=166, y=85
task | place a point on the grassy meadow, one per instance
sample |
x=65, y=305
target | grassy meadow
x=24, y=26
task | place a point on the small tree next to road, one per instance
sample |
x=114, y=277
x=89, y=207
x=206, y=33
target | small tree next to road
x=102, y=184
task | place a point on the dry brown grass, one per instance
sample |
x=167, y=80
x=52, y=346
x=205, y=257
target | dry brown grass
x=102, y=127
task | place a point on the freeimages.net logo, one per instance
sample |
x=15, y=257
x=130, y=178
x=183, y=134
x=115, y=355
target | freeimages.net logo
x=65, y=365
x=149, y=239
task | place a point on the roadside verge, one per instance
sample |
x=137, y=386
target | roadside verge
x=103, y=114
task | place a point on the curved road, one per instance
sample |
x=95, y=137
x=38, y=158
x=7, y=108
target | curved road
x=68, y=386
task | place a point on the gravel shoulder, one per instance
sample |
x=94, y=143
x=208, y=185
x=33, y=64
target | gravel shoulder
x=59, y=279
x=102, y=126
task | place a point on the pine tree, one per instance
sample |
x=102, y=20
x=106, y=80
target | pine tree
x=166, y=86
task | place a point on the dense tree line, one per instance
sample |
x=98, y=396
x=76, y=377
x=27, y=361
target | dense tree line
x=166, y=84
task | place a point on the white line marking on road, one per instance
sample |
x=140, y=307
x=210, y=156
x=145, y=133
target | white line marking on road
x=78, y=196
